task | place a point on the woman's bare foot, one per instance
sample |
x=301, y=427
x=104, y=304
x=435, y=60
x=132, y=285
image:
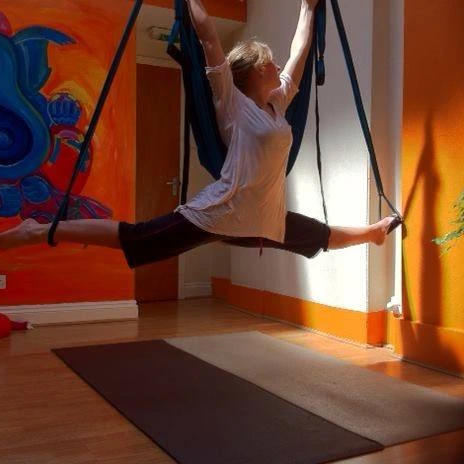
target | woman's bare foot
x=29, y=232
x=381, y=229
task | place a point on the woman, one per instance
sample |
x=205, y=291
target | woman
x=246, y=206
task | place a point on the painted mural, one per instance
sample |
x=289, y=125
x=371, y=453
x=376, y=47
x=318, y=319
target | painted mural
x=39, y=138
x=54, y=58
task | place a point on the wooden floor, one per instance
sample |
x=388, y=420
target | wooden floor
x=48, y=415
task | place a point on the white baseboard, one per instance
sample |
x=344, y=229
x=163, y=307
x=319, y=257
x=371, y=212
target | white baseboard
x=197, y=289
x=69, y=313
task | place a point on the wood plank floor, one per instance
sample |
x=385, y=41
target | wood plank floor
x=48, y=415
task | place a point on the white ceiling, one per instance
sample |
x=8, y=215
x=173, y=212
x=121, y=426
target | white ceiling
x=152, y=16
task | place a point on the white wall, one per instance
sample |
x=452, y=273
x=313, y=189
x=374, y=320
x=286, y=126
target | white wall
x=387, y=105
x=338, y=278
x=196, y=265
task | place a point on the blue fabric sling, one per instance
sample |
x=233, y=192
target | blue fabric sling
x=199, y=107
x=200, y=112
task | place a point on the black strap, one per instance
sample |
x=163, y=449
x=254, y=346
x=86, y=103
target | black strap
x=182, y=14
x=360, y=107
x=319, y=72
x=63, y=209
x=186, y=163
x=319, y=158
x=319, y=39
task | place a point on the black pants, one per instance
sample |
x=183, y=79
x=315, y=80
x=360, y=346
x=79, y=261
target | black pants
x=171, y=235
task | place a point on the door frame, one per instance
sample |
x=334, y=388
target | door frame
x=168, y=63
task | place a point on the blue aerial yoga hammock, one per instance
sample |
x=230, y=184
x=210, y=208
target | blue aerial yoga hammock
x=200, y=112
x=199, y=101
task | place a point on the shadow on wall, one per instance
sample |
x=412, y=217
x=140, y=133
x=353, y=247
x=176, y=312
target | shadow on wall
x=425, y=345
x=425, y=184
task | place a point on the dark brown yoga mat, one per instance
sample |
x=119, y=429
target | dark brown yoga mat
x=201, y=414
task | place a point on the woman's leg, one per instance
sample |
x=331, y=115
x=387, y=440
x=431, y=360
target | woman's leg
x=307, y=236
x=342, y=237
x=100, y=232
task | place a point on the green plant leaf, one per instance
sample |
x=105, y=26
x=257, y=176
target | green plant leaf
x=459, y=221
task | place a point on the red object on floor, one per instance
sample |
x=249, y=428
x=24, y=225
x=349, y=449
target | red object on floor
x=5, y=326
x=18, y=325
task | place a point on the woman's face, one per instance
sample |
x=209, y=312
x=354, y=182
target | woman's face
x=271, y=73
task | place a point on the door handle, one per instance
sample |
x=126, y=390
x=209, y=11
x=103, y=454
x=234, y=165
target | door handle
x=174, y=183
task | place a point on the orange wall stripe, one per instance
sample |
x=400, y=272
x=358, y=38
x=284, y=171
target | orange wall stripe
x=376, y=327
x=424, y=343
x=229, y=9
x=220, y=288
x=356, y=326
x=245, y=298
x=429, y=344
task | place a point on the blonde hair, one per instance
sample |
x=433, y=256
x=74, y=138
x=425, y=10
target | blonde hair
x=244, y=57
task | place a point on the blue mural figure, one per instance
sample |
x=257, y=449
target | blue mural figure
x=38, y=136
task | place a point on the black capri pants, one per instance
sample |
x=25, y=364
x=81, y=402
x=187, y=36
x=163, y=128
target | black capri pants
x=171, y=235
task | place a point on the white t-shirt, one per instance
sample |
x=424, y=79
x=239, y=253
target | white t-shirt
x=249, y=198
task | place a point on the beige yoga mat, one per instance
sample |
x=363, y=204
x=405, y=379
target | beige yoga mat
x=374, y=405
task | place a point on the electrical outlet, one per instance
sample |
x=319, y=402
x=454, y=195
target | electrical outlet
x=2, y=281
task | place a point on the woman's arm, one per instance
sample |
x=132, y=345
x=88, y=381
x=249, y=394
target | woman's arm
x=206, y=32
x=301, y=41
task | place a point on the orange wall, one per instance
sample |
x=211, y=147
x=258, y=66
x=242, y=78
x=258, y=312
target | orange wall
x=38, y=274
x=357, y=326
x=230, y=9
x=433, y=175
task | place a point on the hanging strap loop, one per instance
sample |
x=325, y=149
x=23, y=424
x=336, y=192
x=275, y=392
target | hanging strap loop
x=360, y=108
x=63, y=209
